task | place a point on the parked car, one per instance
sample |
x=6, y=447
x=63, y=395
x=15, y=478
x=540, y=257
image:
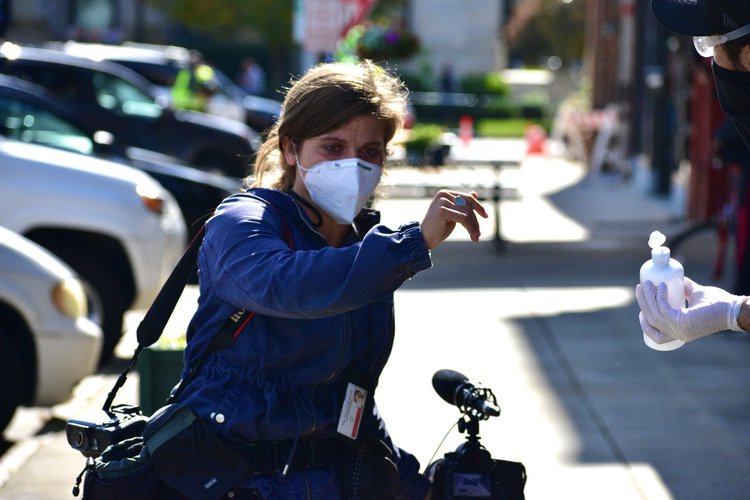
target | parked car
x=118, y=228
x=30, y=113
x=133, y=110
x=47, y=345
x=160, y=65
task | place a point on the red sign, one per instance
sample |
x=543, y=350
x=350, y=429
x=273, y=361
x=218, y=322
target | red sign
x=326, y=21
x=360, y=11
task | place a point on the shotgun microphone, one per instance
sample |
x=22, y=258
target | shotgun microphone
x=455, y=388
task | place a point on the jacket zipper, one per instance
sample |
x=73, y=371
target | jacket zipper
x=333, y=372
x=341, y=338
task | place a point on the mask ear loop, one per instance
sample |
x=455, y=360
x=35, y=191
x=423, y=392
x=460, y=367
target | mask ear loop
x=300, y=199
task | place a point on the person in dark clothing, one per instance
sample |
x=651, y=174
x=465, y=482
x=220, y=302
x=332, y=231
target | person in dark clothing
x=721, y=30
x=732, y=154
x=299, y=249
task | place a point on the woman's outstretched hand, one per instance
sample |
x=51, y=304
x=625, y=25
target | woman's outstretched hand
x=447, y=209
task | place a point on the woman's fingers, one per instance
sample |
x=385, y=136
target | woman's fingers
x=465, y=206
x=447, y=209
x=468, y=200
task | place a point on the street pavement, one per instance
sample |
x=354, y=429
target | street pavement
x=547, y=320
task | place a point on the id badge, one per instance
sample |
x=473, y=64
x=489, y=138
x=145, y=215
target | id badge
x=351, y=411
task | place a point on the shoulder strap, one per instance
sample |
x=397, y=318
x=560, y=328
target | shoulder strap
x=151, y=326
x=228, y=332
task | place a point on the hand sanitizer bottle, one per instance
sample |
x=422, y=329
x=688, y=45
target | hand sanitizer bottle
x=663, y=269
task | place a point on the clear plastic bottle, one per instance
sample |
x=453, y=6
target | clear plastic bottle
x=661, y=268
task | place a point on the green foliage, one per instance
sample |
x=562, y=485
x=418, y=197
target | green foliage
x=423, y=137
x=421, y=77
x=556, y=29
x=416, y=82
x=485, y=84
x=385, y=39
x=390, y=8
x=500, y=107
x=528, y=107
x=510, y=127
x=271, y=19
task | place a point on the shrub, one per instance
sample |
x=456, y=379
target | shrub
x=488, y=84
x=423, y=137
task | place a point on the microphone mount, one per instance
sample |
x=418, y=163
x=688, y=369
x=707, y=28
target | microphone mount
x=475, y=398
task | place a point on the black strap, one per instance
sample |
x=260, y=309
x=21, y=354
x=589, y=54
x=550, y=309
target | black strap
x=152, y=325
x=269, y=457
x=156, y=318
x=153, y=322
x=226, y=334
x=224, y=338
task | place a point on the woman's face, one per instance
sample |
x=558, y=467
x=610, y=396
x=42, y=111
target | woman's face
x=361, y=137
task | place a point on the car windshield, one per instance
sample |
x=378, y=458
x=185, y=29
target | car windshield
x=121, y=97
x=27, y=122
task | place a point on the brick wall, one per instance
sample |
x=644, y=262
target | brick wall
x=601, y=50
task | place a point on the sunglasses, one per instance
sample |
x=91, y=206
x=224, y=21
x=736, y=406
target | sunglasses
x=705, y=44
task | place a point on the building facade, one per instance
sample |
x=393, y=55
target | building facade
x=464, y=36
x=108, y=21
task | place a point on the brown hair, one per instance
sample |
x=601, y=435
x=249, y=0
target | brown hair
x=733, y=50
x=322, y=100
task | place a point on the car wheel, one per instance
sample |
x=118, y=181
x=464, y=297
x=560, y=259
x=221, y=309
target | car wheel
x=13, y=378
x=104, y=288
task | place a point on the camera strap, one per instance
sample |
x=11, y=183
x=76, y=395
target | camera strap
x=228, y=332
x=151, y=326
x=155, y=320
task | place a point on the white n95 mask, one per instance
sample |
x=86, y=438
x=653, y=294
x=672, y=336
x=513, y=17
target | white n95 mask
x=341, y=187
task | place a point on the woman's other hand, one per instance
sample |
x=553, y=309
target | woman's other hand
x=447, y=209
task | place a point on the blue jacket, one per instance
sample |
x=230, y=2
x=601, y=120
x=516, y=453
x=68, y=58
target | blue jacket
x=318, y=309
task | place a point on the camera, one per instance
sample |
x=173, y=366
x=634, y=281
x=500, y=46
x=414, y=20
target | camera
x=470, y=471
x=91, y=436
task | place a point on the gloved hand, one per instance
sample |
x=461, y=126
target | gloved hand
x=710, y=309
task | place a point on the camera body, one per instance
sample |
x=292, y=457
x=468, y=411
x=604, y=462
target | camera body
x=470, y=472
x=92, y=435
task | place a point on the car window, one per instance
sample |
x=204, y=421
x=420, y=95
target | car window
x=60, y=80
x=121, y=97
x=28, y=122
x=162, y=75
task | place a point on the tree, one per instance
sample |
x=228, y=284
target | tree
x=547, y=28
x=229, y=21
x=225, y=19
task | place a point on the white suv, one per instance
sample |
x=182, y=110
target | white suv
x=47, y=345
x=119, y=229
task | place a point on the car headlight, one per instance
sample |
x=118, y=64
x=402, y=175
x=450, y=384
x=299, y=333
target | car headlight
x=69, y=298
x=151, y=197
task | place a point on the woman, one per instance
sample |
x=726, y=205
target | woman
x=318, y=273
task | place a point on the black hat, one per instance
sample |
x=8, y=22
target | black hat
x=702, y=17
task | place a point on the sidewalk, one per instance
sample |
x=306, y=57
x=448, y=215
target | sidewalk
x=550, y=326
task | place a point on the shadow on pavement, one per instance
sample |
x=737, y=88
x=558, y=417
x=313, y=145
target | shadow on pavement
x=685, y=413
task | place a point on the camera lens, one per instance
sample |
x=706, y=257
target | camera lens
x=80, y=438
